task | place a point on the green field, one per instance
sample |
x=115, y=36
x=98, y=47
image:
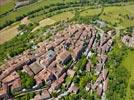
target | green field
x=9, y=5
x=128, y=62
x=29, y=8
x=120, y=15
x=63, y=16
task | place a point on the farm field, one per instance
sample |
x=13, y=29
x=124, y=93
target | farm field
x=128, y=62
x=29, y=8
x=41, y=16
x=44, y=23
x=115, y=15
x=63, y=16
x=54, y=19
x=11, y=31
x=8, y=34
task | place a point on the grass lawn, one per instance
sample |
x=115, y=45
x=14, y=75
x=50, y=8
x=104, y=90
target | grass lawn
x=63, y=16
x=114, y=15
x=90, y=12
x=128, y=62
x=43, y=23
x=6, y=5
x=8, y=33
x=118, y=14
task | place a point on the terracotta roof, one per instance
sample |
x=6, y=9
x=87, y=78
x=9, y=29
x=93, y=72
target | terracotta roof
x=100, y=89
x=45, y=94
x=64, y=56
x=13, y=76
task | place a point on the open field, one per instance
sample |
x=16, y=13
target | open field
x=54, y=19
x=41, y=16
x=44, y=23
x=115, y=15
x=8, y=33
x=29, y=8
x=128, y=62
x=63, y=16
x=11, y=31
x=6, y=5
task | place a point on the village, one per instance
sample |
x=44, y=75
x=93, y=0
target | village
x=53, y=60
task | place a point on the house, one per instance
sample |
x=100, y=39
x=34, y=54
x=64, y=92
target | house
x=77, y=52
x=49, y=47
x=37, y=97
x=70, y=72
x=64, y=57
x=56, y=84
x=45, y=95
x=73, y=88
x=38, y=81
x=4, y=93
x=105, y=84
x=104, y=73
x=99, y=90
x=11, y=78
x=104, y=58
x=28, y=70
x=98, y=69
x=45, y=75
x=16, y=85
x=48, y=58
x=91, y=42
x=20, y=3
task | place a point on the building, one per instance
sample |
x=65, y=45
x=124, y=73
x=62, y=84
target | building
x=77, y=52
x=99, y=90
x=70, y=72
x=28, y=70
x=48, y=58
x=45, y=95
x=98, y=68
x=11, y=78
x=56, y=84
x=73, y=88
x=4, y=93
x=64, y=57
x=16, y=85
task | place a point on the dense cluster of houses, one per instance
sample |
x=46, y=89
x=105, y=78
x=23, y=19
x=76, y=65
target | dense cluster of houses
x=128, y=40
x=20, y=3
x=49, y=61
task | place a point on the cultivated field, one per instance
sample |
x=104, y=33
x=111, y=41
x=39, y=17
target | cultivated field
x=44, y=23
x=63, y=16
x=8, y=33
x=115, y=15
x=29, y=8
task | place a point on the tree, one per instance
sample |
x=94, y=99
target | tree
x=27, y=81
